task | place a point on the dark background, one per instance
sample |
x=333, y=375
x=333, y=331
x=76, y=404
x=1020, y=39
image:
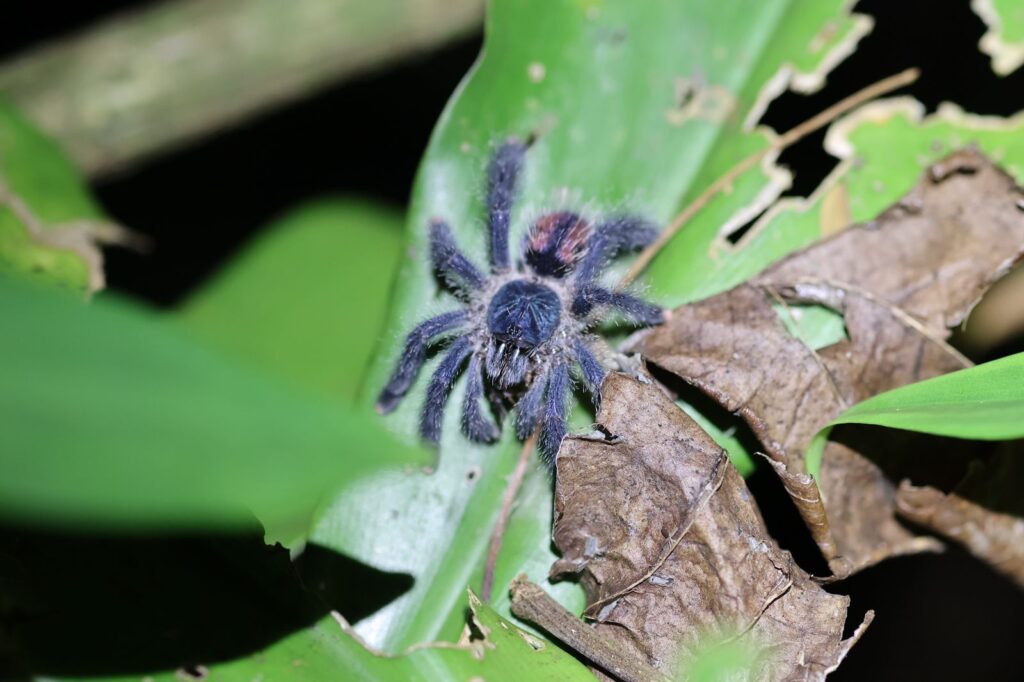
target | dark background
x=86, y=605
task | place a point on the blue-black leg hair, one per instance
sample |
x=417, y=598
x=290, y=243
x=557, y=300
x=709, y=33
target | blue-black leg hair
x=628, y=232
x=555, y=406
x=632, y=307
x=413, y=356
x=475, y=424
x=611, y=237
x=593, y=372
x=449, y=261
x=502, y=177
x=531, y=406
x=440, y=383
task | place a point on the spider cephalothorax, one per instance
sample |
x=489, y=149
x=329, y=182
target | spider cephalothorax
x=524, y=324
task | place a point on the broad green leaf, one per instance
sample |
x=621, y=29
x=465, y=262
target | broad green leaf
x=1004, y=39
x=35, y=174
x=635, y=106
x=981, y=403
x=110, y=417
x=329, y=650
x=307, y=300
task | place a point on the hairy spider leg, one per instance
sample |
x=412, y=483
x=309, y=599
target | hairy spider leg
x=457, y=270
x=530, y=407
x=593, y=372
x=440, y=384
x=610, y=238
x=502, y=177
x=555, y=402
x=413, y=356
x=477, y=427
x=635, y=309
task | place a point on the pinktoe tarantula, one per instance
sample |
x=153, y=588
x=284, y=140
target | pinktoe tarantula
x=524, y=324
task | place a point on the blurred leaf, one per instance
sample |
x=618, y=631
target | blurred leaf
x=1004, y=40
x=307, y=300
x=38, y=174
x=636, y=107
x=981, y=403
x=111, y=418
x=328, y=651
x=721, y=661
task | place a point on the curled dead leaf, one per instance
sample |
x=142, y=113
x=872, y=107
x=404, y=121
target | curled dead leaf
x=984, y=513
x=672, y=551
x=935, y=252
x=899, y=282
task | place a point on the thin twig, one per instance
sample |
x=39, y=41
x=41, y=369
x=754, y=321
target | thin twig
x=533, y=604
x=790, y=137
x=498, y=534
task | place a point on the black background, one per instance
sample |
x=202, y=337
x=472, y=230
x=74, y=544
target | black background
x=74, y=604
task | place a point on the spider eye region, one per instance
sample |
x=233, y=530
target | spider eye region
x=524, y=313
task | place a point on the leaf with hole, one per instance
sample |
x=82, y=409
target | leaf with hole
x=1004, y=39
x=633, y=108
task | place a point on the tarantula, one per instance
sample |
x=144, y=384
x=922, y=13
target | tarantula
x=525, y=323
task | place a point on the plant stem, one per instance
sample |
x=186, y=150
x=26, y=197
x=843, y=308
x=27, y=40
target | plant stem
x=155, y=78
x=533, y=604
x=498, y=534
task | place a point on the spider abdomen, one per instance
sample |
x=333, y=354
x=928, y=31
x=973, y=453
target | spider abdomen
x=524, y=314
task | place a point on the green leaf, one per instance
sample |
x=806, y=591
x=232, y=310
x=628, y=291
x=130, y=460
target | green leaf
x=36, y=174
x=110, y=417
x=981, y=403
x=329, y=650
x=307, y=300
x=720, y=660
x=739, y=455
x=1004, y=40
x=635, y=107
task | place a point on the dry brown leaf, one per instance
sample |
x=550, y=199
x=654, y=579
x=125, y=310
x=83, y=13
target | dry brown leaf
x=900, y=281
x=935, y=252
x=984, y=513
x=672, y=551
x=735, y=348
